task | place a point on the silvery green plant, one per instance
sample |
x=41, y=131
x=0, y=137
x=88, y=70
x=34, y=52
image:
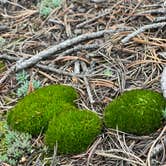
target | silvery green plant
x=22, y=77
x=23, y=81
x=14, y=145
x=46, y=6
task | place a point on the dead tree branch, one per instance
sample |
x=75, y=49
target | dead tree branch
x=142, y=29
x=62, y=46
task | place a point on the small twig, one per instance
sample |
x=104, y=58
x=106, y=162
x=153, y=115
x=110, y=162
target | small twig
x=62, y=46
x=142, y=29
x=130, y=14
x=153, y=5
x=154, y=11
x=47, y=75
x=58, y=71
x=97, y=17
x=78, y=48
x=88, y=90
x=137, y=40
x=163, y=54
x=84, y=68
x=6, y=75
x=163, y=82
x=129, y=154
x=96, y=143
x=66, y=58
x=46, y=68
x=16, y=4
x=3, y=27
x=158, y=148
x=152, y=147
x=54, y=158
x=92, y=19
x=119, y=158
x=158, y=19
x=8, y=57
x=67, y=52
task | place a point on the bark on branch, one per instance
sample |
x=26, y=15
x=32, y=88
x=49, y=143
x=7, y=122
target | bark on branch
x=62, y=46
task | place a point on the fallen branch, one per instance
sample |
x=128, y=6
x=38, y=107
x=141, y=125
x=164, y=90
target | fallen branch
x=25, y=63
x=62, y=46
x=43, y=67
x=142, y=29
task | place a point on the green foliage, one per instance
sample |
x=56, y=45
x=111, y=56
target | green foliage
x=23, y=89
x=74, y=131
x=22, y=78
x=33, y=112
x=46, y=6
x=13, y=145
x=136, y=111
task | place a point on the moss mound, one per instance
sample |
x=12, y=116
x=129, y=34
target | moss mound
x=136, y=111
x=73, y=131
x=33, y=112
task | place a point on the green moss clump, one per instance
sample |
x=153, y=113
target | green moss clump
x=136, y=111
x=73, y=131
x=33, y=112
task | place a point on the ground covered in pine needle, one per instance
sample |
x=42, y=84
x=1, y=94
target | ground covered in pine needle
x=101, y=48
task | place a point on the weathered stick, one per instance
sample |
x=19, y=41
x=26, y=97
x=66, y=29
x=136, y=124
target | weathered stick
x=148, y=161
x=142, y=29
x=62, y=46
x=42, y=67
x=163, y=82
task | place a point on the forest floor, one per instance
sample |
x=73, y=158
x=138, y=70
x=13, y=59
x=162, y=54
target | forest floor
x=112, y=46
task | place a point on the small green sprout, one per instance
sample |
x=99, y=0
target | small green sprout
x=23, y=80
